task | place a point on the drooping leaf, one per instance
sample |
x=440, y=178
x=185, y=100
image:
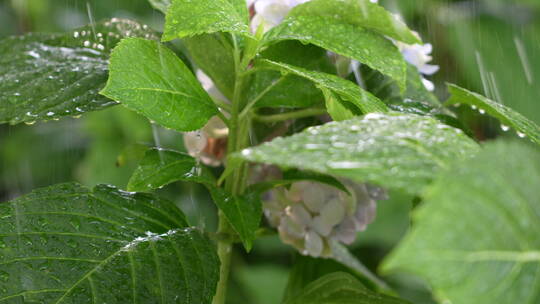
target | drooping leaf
x=349, y=91
x=161, y=167
x=67, y=244
x=147, y=77
x=187, y=18
x=345, y=39
x=402, y=151
x=363, y=13
x=475, y=239
x=48, y=76
x=340, y=288
x=504, y=114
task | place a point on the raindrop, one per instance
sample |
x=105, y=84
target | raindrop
x=521, y=135
x=482, y=111
x=50, y=113
x=29, y=122
x=86, y=43
x=76, y=35
x=505, y=128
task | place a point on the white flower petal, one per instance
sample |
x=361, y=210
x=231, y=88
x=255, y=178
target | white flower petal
x=428, y=84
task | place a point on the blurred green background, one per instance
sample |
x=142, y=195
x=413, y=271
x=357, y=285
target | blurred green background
x=489, y=46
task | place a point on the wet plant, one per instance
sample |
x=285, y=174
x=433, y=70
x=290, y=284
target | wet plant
x=297, y=116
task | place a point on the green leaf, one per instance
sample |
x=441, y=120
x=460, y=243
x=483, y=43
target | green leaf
x=67, y=244
x=349, y=91
x=274, y=89
x=504, y=114
x=387, y=89
x=48, y=76
x=214, y=55
x=340, y=288
x=189, y=18
x=243, y=213
x=475, y=239
x=150, y=79
x=345, y=39
x=161, y=167
x=363, y=13
x=337, y=108
x=401, y=151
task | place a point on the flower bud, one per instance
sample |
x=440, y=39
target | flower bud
x=208, y=144
x=310, y=215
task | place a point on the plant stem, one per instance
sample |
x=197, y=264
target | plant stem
x=290, y=115
x=235, y=183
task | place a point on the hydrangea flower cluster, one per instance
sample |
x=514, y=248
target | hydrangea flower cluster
x=310, y=216
x=272, y=12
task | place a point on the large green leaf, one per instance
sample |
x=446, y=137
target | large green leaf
x=48, y=76
x=149, y=78
x=363, y=13
x=189, y=18
x=67, y=244
x=504, y=114
x=162, y=167
x=340, y=288
x=346, y=39
x=475, y=239
x=402, y=151
x=349, y=91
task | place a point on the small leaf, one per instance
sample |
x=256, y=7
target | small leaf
x=161, y=167
x=340, y=288
x=504, y=114
x=189, y=18
x=475, y=239
x=337, y=108
x=402, y=151
x=147, y=77
x=349, y=91
x=48, y=76
x=363, y=13
x=67, y=244
x=243, y=212
x=345, y=39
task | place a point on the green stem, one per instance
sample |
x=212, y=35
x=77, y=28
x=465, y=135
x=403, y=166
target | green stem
x=235, y=183
x=290, y=115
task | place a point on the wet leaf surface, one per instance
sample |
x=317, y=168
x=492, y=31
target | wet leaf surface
x=476, y=236
x=67, y=244
x=48, y=76
x=147, y=77
x=393, y=150
x=507, y=116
